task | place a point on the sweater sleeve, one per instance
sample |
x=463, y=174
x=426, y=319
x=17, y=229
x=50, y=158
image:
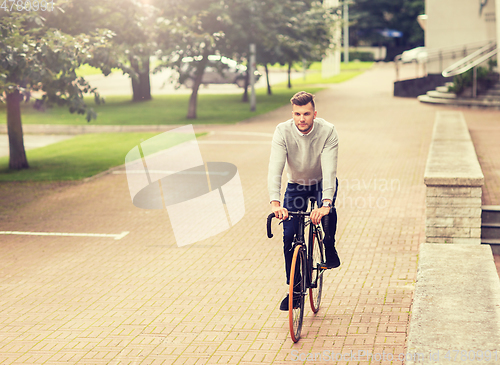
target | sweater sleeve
x=329, y=156
x=276, y=165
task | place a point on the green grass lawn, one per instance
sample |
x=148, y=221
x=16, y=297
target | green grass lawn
x=88, y=154
x=314, y=78
x=316, y=66
x=162, y=110
x=80, y=157
x=172, y=109
x=353, y=65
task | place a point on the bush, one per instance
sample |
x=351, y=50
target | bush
x=361, y=56
x=462, y=81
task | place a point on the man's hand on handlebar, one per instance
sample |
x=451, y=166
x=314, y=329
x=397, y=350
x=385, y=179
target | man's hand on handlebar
x=319, y=213
x=279, y=212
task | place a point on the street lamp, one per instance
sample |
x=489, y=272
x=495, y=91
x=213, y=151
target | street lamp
x=253, y=100
x=346, y=32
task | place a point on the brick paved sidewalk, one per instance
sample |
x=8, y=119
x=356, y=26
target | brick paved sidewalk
x=143, y=300
x=484, y=127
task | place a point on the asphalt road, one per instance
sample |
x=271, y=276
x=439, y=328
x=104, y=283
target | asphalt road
x=119, y=84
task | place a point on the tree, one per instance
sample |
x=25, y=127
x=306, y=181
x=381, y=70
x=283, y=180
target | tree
x=303, y=32
x=190, y=30
x=36, y=58
x=135, y=28
x=284, y=31
x=244, y=26
x=369, y=17
x=134, y=25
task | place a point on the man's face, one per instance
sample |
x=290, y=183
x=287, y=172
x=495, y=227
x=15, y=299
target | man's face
x=303, y=117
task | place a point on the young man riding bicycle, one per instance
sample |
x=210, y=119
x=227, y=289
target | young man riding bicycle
x=309, y=147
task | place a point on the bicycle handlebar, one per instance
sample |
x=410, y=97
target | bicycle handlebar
x=325, y=221
x=269, y=219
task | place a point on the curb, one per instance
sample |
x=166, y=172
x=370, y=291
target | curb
x=83, y=129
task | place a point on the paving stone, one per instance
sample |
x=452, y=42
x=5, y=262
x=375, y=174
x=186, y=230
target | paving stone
x=143, y=299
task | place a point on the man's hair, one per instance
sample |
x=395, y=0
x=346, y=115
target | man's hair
x=302, y=98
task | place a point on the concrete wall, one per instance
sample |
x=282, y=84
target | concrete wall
x=454, y=23
x=330, y=65
x=455, y=306
x=497, y=5
x=454, y=181
x=413, y=88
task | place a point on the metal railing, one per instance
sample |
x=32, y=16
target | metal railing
x=471, y=62
x=443, y=54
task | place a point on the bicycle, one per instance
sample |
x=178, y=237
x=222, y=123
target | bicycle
x=306, y=263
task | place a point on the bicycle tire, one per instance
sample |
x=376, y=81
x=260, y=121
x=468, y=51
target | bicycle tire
x=316, y=257
x=296, y=293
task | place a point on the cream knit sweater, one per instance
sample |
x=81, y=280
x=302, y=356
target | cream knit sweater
x=310, y=158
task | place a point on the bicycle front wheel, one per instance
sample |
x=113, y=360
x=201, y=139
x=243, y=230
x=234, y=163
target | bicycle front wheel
x=296, y=293
x=316, y=256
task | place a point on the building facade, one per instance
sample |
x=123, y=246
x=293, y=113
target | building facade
x=455, y=28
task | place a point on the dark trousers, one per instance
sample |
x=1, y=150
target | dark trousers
x=297, y=199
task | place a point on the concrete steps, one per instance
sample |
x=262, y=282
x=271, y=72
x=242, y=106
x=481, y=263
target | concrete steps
x=487, y=99
x=479, y=102
x=441, y=94
x=442, y=89
x=490, y=227
x=494, y=92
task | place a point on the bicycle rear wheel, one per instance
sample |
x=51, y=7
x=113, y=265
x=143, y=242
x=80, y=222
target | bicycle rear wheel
x=316, y=257
x=296, y=293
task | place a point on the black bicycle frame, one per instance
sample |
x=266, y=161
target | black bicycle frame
x=300, y=234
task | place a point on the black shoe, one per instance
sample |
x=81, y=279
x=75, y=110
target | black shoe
x=332, y=260
x=284, y=303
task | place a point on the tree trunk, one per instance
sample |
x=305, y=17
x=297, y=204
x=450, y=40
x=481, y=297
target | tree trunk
x=244, y=98
x=193, y=100
x=269, y=92
x=141, y=86
x=17, y=160
x=289, y=75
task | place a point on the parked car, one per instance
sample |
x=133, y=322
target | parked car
x=219, y=70
x=418, y=54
